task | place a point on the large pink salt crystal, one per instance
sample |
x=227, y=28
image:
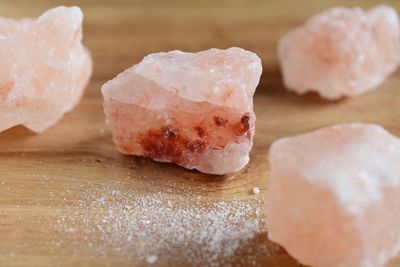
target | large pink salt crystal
x=192, y=109
x=334, y=196
x=44, y=68
x=341, y=52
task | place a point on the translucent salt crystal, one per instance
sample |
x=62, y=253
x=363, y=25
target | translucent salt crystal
x=334, y=194
x=44, y=68
x=341, y=52
x=192, y=109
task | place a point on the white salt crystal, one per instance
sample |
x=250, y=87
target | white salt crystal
x=149, y=227
x=151, y=259
x=256, y=190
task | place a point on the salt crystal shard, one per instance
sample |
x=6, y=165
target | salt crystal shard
x=192, y=109
x=44, y=68
x=334, y=195
x=341, y=52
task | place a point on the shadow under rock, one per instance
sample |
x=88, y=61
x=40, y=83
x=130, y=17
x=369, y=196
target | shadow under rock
x=172, y=178
x=271, y=85
x=15, y=135
x=260, y=251
x=170, y=170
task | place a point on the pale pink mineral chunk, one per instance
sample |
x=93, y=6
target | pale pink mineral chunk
x=333, y=198
x=44, y=68
x=341, y=52
x=192, y=109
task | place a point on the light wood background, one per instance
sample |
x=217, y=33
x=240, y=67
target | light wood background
x=79, y=150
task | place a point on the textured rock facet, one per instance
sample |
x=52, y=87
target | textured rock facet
x=341, y=52
x=192, y=109
x=44, y=68
x=333, y=196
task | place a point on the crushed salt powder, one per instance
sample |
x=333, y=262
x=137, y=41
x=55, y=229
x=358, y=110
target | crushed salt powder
x=160, y=227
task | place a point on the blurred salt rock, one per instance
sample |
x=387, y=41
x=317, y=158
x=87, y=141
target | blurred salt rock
x=44, y=68
x=192, y=109
x=341, y=52
x=334, y=196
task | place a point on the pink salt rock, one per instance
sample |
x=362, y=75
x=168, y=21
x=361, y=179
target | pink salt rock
x=334, y=196
x=192, y=109
x=342, y=52
x=44, y=68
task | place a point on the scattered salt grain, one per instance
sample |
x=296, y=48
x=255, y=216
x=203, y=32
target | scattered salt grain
x=152, y=259
x=185, y=229
x=256, y=190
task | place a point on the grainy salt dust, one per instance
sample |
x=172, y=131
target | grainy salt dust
x=161, y=227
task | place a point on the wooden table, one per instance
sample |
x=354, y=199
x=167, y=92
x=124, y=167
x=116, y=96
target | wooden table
x=45, y=173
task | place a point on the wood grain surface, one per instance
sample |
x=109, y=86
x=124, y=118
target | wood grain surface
x=77, y=154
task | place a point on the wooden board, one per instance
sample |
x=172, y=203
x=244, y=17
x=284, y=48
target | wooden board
x=42, y=173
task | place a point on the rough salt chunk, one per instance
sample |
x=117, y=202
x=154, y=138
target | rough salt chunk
x=44, y=68
x=192, y=109
x=342, y=52
x=334, y=195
